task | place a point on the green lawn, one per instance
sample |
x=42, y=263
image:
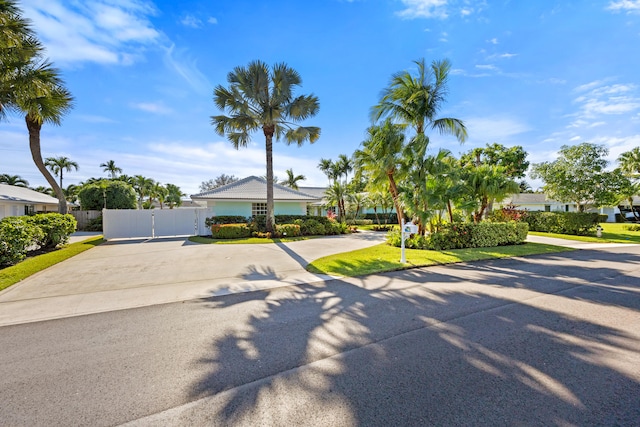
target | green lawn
x=381, y=258
x=248, y=240
x=29, y=266
x=612, y=233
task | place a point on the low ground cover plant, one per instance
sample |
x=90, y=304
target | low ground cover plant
x=20, y=234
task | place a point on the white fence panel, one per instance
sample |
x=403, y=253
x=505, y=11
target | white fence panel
x=149, y=223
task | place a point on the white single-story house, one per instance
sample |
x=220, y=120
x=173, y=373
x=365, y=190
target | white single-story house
x=540, y=202
x=17, y=201
x=248, y=197
x=535, y=202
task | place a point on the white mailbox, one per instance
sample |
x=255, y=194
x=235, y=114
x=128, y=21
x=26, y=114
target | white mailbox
x=410, y=228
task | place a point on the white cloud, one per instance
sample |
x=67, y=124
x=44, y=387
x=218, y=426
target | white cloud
x=212, y=20
x=493, y=41
x=191, y=21
x=630, y=6
x=494, y=128
x=152, y=107
x=102, y=31
x=598, y=98
x=187, y=68
x=487, y=67
x=424, y=9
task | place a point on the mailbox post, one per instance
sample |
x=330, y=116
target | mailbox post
x=406, y=230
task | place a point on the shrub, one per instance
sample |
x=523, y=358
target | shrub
x=289, y=230
x=632, y=227
x=311, y=227
x=17, y=234
x=575, y=223
x=94, y=225
x=225, y=219
x=386, y=227
x=56, y=229
x=118, y=194
x=466, y=235
x=230, y=231
x=335, y=227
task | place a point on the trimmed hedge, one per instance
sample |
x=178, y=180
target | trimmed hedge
x=466, y=235
x=118, y=194
x=230, y=231
x=359, y=222
x=18, y=234
x=574, y=223
x=293, y=225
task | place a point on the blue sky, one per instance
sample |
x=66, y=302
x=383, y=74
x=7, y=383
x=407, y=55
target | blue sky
x=534, y=73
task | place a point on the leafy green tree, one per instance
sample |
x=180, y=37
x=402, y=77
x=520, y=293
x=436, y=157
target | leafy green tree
x=485, y=183
x=174, y=196
x=578, y=176
x=158, y=192
x=142, y=187
x=59, y=164
x=219, y=181
x=292, y=179
x=380, y=158
x=111, y=168
x=512, y=159
x=71, y=192
x=109, y=194
x=15, y=180
x=259, y=97
x=380, y=199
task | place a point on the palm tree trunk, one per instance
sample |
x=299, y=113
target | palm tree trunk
x=270, y=220
x=450, y=211
x=393, y=188
x=34, y=146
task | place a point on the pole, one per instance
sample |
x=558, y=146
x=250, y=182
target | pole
x=403, y=258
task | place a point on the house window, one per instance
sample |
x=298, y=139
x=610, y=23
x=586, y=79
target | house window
x=547, y=208
x=29, y=210
x=258, y=209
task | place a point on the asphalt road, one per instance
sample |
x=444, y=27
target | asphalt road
x=541, y=341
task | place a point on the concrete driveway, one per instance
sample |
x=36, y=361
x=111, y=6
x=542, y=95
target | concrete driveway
x=134, y=273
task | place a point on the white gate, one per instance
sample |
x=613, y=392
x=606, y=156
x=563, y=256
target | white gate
x=152, y=223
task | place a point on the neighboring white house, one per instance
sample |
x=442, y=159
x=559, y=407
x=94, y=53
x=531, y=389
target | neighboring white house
x=535, y=202
x=17, y=201
x=540, y=202
x=248, y=197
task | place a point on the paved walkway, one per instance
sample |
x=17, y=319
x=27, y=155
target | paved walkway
x=135, y=273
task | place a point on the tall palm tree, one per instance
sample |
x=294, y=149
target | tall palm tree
x=487, y=182
x=417, y=100
x=15, y=180
x=174, y=196
x=58, y=165
x=343, y=166
x=335, y=196
x=31, y=85
x=292, y=179
x=630, y=162
x=381, y=158
x=326, y=167
x=142, y=187
x=111, y=168
x=259, y=97
x=158, y=192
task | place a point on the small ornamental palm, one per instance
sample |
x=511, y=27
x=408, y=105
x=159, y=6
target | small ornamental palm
x=261, y=98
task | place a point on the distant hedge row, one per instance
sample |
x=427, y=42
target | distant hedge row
x=466, y=235
x=575, y=223
x=18, y=234
x=237, y=227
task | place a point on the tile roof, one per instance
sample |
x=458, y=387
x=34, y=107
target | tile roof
x=254, y=188
x=12, y=193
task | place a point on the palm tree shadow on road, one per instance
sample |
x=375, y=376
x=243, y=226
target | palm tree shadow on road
x=518, y=341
